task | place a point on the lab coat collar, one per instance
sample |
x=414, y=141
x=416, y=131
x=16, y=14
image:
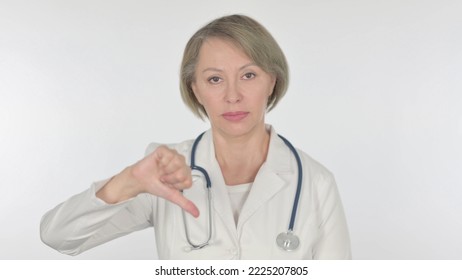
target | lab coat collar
x=271, y=178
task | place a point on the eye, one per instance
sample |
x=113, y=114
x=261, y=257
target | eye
x=214, y=80
x=248, y=76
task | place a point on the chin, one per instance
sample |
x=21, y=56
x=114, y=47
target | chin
x=237, y=129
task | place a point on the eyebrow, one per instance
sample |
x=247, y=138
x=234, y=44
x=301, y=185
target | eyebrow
x=220, y=70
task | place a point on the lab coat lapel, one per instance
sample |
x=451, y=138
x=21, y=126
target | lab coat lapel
x=220, y=198
x=273, y=176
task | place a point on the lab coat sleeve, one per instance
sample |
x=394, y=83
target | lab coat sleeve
x=85, y=221
x=334, y=240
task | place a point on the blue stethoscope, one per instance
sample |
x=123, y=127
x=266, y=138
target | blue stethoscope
x=287, y=241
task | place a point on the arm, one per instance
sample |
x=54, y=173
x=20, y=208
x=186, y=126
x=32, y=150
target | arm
x=85, y=221
x=334, y=240
x=118, y=206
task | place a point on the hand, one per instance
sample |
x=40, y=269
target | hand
x=164, y=173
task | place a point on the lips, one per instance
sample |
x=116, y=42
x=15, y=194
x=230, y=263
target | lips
x=235, y=116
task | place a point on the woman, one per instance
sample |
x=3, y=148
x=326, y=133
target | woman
x=233, y=72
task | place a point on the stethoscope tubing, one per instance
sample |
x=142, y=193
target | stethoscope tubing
x=299, y=183
x=204, y=172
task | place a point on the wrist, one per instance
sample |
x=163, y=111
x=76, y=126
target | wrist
x=121, y=187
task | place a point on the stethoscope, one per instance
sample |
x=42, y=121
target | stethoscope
x=287, y=241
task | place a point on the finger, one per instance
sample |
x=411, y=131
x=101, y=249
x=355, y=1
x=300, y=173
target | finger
x=187, y=205
x=180, y=180
x=164, y=155
x=176, y=163
x=181, y=186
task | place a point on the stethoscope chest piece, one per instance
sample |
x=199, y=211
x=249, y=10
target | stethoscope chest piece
x=287, y=241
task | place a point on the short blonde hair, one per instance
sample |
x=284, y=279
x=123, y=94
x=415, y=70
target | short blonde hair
x=255, y=41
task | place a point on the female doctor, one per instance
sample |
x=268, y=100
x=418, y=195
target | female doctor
x=247, y=193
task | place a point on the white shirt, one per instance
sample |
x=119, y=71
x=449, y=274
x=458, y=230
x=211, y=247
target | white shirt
x=84, y=221
x=237, y=196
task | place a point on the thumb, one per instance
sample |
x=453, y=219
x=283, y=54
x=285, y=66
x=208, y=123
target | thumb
x=187, y=205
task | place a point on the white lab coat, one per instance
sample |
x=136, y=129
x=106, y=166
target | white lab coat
x=84, y=221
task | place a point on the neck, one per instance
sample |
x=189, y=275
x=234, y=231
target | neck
x=241, y=157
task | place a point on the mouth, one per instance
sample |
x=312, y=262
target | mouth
x=235, y=116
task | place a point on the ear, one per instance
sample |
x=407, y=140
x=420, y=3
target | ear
x=273, y=84
x=194, y=89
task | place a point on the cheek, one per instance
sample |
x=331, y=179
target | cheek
x=264, y=94
x=196, y=92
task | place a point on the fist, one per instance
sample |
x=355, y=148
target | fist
x=164, y=173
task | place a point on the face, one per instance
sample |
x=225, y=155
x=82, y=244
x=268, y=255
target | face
x=232, y=88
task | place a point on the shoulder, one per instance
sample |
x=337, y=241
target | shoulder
x=314, y=168
x=182, y=147
x=283, y=152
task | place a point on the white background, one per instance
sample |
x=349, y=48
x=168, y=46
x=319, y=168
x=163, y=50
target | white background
x=375, y=95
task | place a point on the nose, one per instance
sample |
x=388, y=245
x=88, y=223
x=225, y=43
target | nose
x=233, y=94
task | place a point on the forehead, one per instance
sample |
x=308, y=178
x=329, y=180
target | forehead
x=220, y=50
